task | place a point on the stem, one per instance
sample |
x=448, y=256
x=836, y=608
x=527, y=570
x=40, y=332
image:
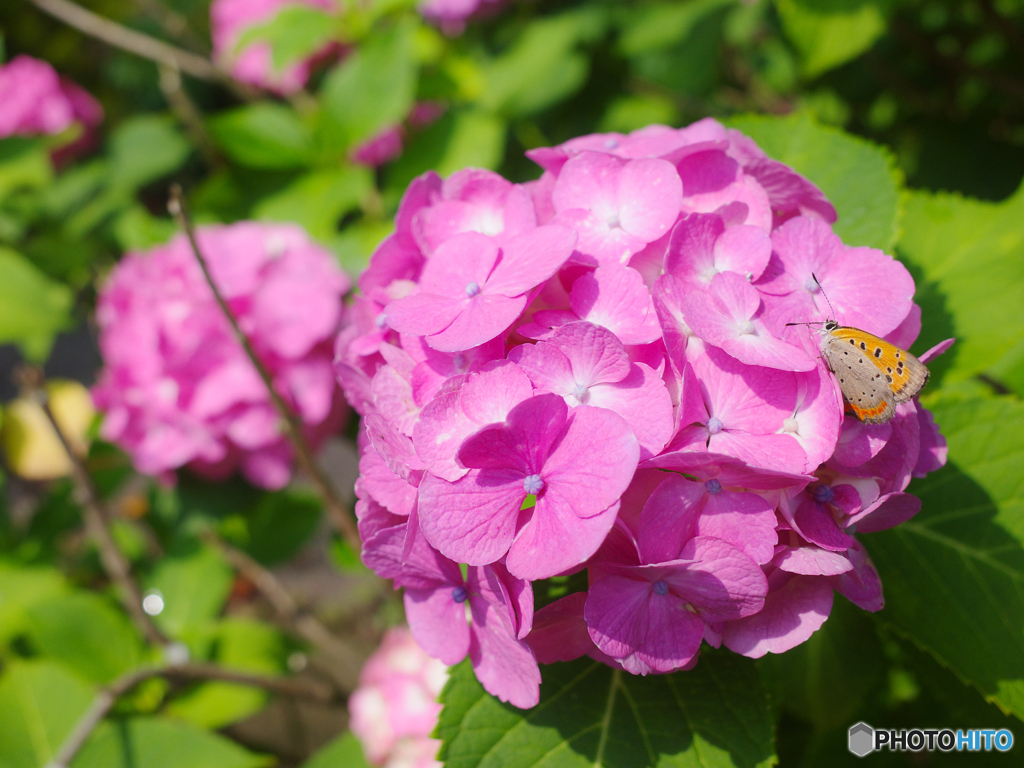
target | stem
x=301, y=623
x=114, y=562
x=108, y=697
x=340, y=515
x=140, y=44
x=188, y=114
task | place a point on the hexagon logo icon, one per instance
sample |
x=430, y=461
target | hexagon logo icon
x=861, y=739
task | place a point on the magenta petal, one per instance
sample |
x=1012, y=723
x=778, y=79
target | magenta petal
x=472, y=520
x=888, y=511
x=438, y=623
x=490, y=395
x=745, y=520
x=462, y=259
x=743, y=249
x=594, y=461
x=480, y=320
x=504, y=665
x=815, y=524
x=555, y=539
x=861, y=586
x=423, y=313
x=560, y=631
x=720, y=580
x=644, y=631
x=649, y=197
x=527, y=260
x=669, y=518
x=937, y=350
x=614, y=296
x=791, y=614
x=642, y=399
x=596, y=354
x=546, y=365
x=812, y=561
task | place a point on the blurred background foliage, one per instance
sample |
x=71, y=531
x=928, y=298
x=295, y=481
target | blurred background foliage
x=938, y=85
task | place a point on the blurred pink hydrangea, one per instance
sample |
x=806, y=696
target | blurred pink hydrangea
x=394, y=710
x=36, y=100
x=451, y=15
x=178, y=389
x=593, y=371
x=254, y=64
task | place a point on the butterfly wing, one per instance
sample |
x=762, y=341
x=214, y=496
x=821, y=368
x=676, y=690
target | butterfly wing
x=874, y=375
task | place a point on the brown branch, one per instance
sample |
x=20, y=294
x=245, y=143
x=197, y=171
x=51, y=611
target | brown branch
x=341, y=517
x=97, y=519
x=188, y=114
x=171, y=22
x=108, y=697
x=140, y=44
x=301, y=623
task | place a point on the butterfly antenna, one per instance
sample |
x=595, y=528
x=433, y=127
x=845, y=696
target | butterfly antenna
x=830, y=308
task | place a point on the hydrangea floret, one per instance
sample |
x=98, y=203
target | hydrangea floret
x=177, y=387
x=592, y=374
x=39, y=102
x=394, y=710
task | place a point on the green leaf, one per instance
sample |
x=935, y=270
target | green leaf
x=194, y=588
x=21, y=587
x=40, y=702
x=138, y=229
x=662, y=25
x=24, y=163
x=373, y=89
x=281, y=523
x=543, y=66
x=32, y=307
x=860, y=178
x=830, y=32
x=589, y=714
x=146, y=742
x=241, y=644
x=344, y=752
x=86, y=634
x=296, y=32
x=263, y=135
x=144, y=149
x=954, y=575
x=318, y=200
x=969, y=255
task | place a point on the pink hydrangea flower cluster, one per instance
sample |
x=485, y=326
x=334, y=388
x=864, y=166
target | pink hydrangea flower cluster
x=593, y=371
x=395, y=709
x=178, y=389
x=451, y=15
x=37, y=101
x=254, y=64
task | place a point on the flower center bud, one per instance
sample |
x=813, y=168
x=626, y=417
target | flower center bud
x=791, y=425
x=533, y=484
x=811, y=286
x=380, y=320
x=459, y=362
x=613, y=220
x=580, y=392
x=713, y=486
x=460, y=595
x=472, y=289
x=611, y=143
x=715, y=425
x=747, y=328
x=660, y=587
x=823, y=494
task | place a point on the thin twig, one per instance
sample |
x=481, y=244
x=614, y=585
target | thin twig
x=140, y=44
x=108, y=697
x=340, y=515
x=114, y=562
x=187, y=113
x=171, y=22
x=301, y=623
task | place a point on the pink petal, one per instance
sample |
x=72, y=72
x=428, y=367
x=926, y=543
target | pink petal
x=649, y=196
x=791, y=614
x=720, y=580
x=481, y=319
x=812, y=561
x=438, y=623
x=527, y=260
x=887, y=512
x=745, y=520
x=595, y=353
x=423, y=313
x=815, y=524
x=642, y=399
x=937, y=350
x=615, y=297
x=555, y=539
x=560, y=631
